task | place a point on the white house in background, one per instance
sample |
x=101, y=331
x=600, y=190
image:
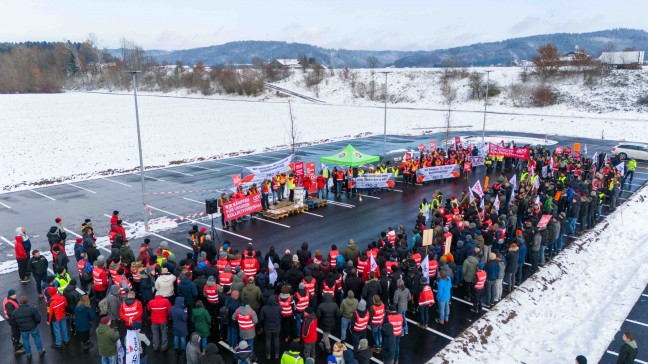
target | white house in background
x=288, y=63
x=620, y=59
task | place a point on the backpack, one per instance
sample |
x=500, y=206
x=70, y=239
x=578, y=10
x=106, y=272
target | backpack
x=224, y=314
x=103, y=306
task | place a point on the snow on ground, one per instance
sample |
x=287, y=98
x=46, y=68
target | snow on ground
x=574, y=305
x=87, y=134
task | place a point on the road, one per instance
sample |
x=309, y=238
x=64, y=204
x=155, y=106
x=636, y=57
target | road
x=341, y=220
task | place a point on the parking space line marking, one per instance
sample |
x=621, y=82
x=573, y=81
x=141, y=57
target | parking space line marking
x=271, y=222
x=637, y=322
x=159, y=236
x=154, y=178
x=79, y=187
x=5, y=205
x=645, y=295
x=79, y=236
x=393, y=189
x=228, y=164
x=42, y=194
x=347, y=345
x=226, y=346
x=202, y=223
x=374, y=197
x=119, y=183
x=310, y=213
x=7, y=241
x=196, y=201
x=205, y=168
x=466, y=302
x=172, y=171
x=342, y=204
x=617, y=354
x=432, y=330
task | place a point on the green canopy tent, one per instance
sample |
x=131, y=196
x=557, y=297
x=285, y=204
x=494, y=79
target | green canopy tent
x=351, y=157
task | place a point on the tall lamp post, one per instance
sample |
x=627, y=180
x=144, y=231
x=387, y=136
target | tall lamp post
x=485, y=105
x=139, y=146
x=385, y=124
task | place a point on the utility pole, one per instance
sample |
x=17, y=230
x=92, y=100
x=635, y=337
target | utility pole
x=485, y=105
x=385, y=124
x=139, y=146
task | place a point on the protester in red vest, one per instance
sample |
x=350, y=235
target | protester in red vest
x=425, y=301
x=131, y=310
x=479, y=281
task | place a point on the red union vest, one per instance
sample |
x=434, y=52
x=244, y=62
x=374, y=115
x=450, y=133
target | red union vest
x=333, y=258
x=249, y=267
x=286, y=306
x=426, y=297
x=396, y=320
x=310, y=287
x=481, y=279
x=132, y=311
x=221, y=264
x=225, y=279
x=235, y=263
x=211, y=292
x=245, y=322
x=378, y=315
x=117, y=280
x=327, y=289
x=4, y=306
x=81, y=266
x=113, y=272
x=361, y=322
x=100, y=284
x=301, y=302
x=362, y=266
x=389, y=265
x=417, y=259
x=434, y=266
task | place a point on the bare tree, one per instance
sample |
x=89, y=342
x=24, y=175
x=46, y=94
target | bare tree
x=133, y=55
x=449, y=94
x=372, y=62
x=293, y=131
x=547, y=61
x=475, y=80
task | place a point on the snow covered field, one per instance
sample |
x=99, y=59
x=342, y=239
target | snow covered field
x=74, y=135
x=573, y=306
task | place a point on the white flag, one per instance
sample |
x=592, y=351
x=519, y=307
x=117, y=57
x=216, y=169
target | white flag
x=595, y=158
x=621, y=168
x=537, y=200
x=471, y=197
x=544, y=171
x=372, y=263
x=273, y=271
x=478, y=189
x=585, y=150
x=496, y=204
x=132, y=347
x=481, y=204
x=513, y=182
x=425, y=268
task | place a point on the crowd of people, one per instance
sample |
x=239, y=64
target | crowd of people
x=246, y=297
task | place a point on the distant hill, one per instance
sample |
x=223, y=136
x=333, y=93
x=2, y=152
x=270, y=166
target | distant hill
x=480, y=54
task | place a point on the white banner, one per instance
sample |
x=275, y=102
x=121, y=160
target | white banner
x=132, y=348
x=621, y=168
x=425, y=268
x=477, y=161
x=370, y=180
x=440, y=172
x=544, y=172
x=477, y=188
x=269, y=170
x=120, y=352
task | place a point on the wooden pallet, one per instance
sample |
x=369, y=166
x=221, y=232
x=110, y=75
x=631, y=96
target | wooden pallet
x=317, y=202
x=283, y=209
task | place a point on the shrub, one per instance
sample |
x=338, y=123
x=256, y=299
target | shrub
x=643, y=100
x=543, y=96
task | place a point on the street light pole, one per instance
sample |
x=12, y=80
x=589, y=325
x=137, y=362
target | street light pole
x=485, y=105
x=385, y=124
x=139, y=146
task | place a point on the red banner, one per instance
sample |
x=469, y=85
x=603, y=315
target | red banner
x=467, y=166
x=421, y=147
x=544, y=221
x=433, y=145
x=519, y=153
x=312, y=173
x=237, y=180
x=457, y=142
x=299, y=169
x=244, y=206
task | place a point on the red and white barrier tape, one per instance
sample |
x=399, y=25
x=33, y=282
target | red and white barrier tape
x=179, y=192
x=149, y=210
x=177, y=218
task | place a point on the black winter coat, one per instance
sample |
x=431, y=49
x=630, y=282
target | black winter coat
x=188, y=290
x=327, y=314
x=271, y=315
x=38, y=266
x=26, y=317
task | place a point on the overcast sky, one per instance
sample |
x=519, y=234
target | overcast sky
x=351, y=24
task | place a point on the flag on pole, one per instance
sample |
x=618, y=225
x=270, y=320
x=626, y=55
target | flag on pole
x=273, y=271
x=621, y=168
x=425, y=268
x=537, y=200
x=496, y=204
x=585, y=150
x=478, y=189
x=481, y=204
x=594, y=158
x=372, y=263
x=471, y=197
x=132, y=347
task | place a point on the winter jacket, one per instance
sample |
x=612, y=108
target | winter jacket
x=38, y=266
x=444, y=286
x=554, y=230
x=160, y=310
x=309, y=329
x=628, y=353
x=56, y=309
x=401, y=297
x=537, y=242
x=107, y=338
x=271, y=315
x=246, y=310
x=25, y=317
x=201, y=320
x=349, y=306
x=127, y=256
x=72, y=297
x=164, y=284
x=351, y=253
x=212, y=356
x=113, y=303
x=574, y=210
x=327, y=313
x=179, y=318
x=19, y=249
x=388, y=342
x=355, y=284
x=193, y=349
x=187, y=289
x=303, y=254
x=252, y=294
x=83, y=317
x=469, y=268
x=502, y=269
x=512, y=260
x=370, y=289
x=492, y=270
x=146, y=287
